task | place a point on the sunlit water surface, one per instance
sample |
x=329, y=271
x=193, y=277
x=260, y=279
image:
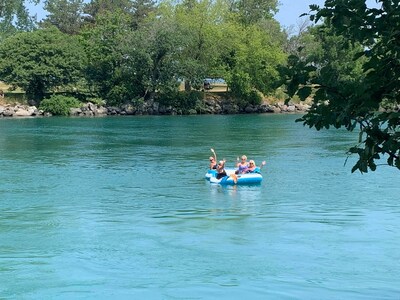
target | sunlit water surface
x=118, y=208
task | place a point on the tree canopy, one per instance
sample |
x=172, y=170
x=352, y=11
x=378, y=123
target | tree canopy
x=66, y=15
x=137, y=49
x=41, y=61
x=15, y=17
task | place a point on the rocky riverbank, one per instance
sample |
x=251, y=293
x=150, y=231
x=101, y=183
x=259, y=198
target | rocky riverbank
x=210, y=106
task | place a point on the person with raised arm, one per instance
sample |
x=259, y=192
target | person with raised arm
x=242, y=165
x=253, y=168
x=221, y=169
x=213, y=160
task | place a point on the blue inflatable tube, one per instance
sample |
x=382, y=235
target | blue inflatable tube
x=232, y=179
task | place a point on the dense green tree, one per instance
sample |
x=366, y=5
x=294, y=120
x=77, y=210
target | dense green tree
x=134, y=73
x=260, y=59
x=137, y=10
x=15, y=17
x=106, y=61
x=250, y=58
x=66, y=15
x=161, y=41
x=95, y=8
x=254, y=11
x=273, y=29
x=128, y=65
x=142, y=9
x=214, y=43
x=138, y=50
x=353, y=92
x=200, y=25
x=41, y=61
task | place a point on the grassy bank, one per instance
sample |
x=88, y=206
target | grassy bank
x=11, y=97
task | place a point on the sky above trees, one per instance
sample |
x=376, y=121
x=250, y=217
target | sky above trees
x=289, y=10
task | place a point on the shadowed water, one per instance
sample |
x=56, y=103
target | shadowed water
x=119, y=208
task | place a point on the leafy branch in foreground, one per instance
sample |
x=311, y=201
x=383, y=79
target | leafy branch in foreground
x=353, y=77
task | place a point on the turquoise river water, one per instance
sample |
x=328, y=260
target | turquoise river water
x=118, y=208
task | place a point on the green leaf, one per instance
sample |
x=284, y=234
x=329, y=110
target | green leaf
x=397, y=163
x=304, y=92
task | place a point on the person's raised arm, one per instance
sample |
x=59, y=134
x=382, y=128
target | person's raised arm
x=215, y=155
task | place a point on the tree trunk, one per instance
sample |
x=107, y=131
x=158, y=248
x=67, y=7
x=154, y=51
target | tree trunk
x=188, y=86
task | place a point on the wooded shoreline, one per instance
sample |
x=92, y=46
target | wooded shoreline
x=209, y=106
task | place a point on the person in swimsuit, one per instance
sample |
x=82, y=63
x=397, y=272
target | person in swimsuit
x=242, y=165
x=252, y=166
x=213, y=160
x=221, y=169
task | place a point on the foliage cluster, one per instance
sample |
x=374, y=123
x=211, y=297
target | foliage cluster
x=15, y=17
x=126, y=50
x=41, y=61
x=59, y=105
x=352, y=73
